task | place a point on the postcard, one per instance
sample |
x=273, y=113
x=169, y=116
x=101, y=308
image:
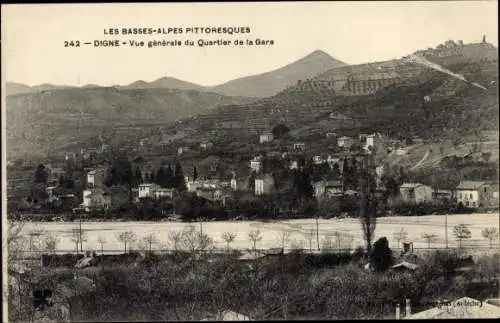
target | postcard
x=250, y=161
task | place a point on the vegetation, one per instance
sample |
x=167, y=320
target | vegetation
x=322, y=286
x=490, y=234
x=461, y=233
x=429, y=237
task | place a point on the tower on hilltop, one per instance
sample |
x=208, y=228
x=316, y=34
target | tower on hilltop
x=484, y=39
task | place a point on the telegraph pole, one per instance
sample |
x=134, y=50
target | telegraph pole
x=81, y=234
x=317, y=231
x=446, y=229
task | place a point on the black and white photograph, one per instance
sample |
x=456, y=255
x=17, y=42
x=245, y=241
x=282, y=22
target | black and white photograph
x=250, y=161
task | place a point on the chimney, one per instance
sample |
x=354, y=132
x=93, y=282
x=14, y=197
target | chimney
x=398, y=312
x=408, y=308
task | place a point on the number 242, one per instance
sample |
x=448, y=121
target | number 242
x=72, y=43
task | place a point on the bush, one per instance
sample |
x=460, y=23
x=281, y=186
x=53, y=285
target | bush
x=381, y=257
x=66, y=260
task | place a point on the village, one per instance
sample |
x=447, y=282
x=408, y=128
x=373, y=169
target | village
x=81, y=184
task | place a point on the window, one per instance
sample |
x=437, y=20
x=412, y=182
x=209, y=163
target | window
x=470, y=196
x=460, y=195
x=485, y=189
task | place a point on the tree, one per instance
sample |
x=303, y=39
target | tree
x=41, y=175
x=101, y=240
x=138, y=176
x=194, y=240
x=150, y=240
x=179, y=180
x=490, y=234
x=283, y=239
x=303, y=183
x=62, y=182
x=280, y=130
x=175, y=237
x=126, y=237
x=346, y=175
x=78, y=237
x=195, y=173
x=400, y=235
x=160, y=177
x=228, y=237
x=381, y=256
x=310, y=236
x=169, y=173
x=461, y=232
x=251, y=181
x=367, y=207
x=429, y=238
x=254, y=237
x=51, y=242
x=335, y=170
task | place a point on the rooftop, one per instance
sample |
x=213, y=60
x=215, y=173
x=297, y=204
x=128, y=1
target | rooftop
x=470, y=185
x=411, y=185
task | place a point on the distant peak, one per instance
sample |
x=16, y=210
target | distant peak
x=318, y=52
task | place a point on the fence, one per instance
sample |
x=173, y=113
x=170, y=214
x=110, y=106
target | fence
x=35, y=255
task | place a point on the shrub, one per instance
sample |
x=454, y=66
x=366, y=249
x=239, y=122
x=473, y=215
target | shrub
x=66, y=260
x=381, y=257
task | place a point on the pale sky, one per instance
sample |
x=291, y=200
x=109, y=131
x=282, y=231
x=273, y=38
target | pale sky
x=353, y=32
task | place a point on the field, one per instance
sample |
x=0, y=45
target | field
x=298, y=229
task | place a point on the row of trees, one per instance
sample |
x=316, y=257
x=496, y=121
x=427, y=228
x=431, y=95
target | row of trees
x=460, y=231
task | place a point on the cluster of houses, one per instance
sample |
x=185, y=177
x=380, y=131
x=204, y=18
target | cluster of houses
x=364, y=140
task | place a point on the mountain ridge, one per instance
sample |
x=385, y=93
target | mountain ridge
x=257, y=85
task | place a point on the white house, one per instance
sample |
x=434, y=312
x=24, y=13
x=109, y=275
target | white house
x=164, y=192
x=266, y=137
x=474, y=194
x=206, y=145
x=96, y=198
x=264, y=184
x=182, y=150
x=256, y=164
x=415, y=192
x=400, y=151
x=371, y=141
x=318, y=160
x=86, y=198
x=299, y=146
x=331, y=135
x=324, y=189
x=95, y=178
x=294, y=164
x=345, y=142
x=148, y=190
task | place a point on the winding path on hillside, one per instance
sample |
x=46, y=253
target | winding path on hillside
x=421, y=160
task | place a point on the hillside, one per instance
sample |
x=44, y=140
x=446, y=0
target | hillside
x=268, y=84
x=420, y=102
x=12, y=88
x=165, y=83
x=51, y=119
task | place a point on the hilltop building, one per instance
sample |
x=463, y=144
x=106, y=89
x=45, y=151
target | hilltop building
x=345, y=142
x=266, y=137
x=256, y=164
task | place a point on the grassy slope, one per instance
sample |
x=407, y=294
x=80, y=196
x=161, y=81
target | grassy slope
x=51, y=119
